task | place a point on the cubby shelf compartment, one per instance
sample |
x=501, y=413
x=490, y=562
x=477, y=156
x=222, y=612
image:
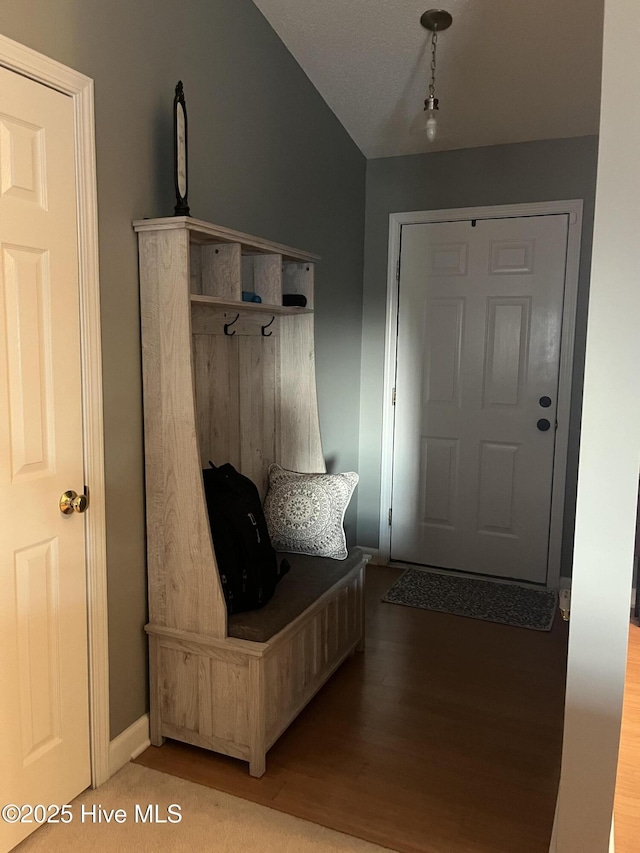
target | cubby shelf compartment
x=223, y=263
x=259, y=307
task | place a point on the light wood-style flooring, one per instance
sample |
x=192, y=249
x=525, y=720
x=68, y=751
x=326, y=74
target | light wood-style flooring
x=444, y=736
x=627, y=802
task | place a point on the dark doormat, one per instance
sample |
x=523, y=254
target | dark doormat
x=508, y=604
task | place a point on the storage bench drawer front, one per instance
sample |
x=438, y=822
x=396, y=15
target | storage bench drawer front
x=203, y=693
x=301, y=663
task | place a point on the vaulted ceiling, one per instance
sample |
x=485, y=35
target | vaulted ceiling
x=508, y=70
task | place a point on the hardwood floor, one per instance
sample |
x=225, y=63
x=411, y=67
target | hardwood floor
x=627, y=802
x=444, y=736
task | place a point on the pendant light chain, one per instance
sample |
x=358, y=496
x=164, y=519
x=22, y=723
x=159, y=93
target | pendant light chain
x=432, y=82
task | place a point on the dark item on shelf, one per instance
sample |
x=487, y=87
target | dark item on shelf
x=247, y=564
x=250, y=296
x=297, y=300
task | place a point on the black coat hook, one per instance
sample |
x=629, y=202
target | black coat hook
x=227, y=326
x=262, y=328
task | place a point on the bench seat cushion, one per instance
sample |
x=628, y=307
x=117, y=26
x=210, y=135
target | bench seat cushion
x=307, y=579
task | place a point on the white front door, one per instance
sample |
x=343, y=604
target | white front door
x=480, y=314
x=44, y=720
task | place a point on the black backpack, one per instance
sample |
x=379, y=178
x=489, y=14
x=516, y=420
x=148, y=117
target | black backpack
x=247, y=563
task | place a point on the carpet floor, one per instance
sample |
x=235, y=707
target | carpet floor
x=211, y=821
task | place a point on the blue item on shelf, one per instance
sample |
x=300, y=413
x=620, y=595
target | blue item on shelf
x=250, y=296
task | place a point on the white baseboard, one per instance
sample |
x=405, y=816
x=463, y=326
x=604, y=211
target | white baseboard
x=129, y=744
x=564, y=596
x=373, y=554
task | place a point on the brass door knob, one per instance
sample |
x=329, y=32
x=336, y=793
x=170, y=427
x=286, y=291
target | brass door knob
x=73, y=502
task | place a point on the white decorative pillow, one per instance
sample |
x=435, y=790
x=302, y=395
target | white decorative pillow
x=305, y=512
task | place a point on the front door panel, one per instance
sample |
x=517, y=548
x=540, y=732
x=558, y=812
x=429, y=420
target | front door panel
x=480, y=311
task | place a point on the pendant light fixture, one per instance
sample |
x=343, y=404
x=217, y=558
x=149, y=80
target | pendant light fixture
x=426, y=122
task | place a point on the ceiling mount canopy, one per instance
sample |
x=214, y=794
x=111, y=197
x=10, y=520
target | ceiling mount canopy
x=436, y=20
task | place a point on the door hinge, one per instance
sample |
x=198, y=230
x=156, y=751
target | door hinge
x=393, y=396
x=390, y=514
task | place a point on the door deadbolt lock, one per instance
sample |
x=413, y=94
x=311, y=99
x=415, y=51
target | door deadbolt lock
x=73, y=502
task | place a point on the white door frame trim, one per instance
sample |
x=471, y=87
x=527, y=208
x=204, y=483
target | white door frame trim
x=79, y=88
x=396, y=220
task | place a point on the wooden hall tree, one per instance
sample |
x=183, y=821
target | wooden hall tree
x=227, y=381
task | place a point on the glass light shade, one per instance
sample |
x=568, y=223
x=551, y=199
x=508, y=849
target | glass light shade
x=426, y=122
x=431, y=126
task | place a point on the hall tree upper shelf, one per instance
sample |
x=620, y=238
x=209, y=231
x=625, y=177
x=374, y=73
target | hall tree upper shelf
x=247, y=370
x=223, y=263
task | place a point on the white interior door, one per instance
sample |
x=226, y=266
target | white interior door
x=44, y=729
x=480, y=314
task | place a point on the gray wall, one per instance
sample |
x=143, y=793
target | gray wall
x=502, y=174
x=267, y=156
